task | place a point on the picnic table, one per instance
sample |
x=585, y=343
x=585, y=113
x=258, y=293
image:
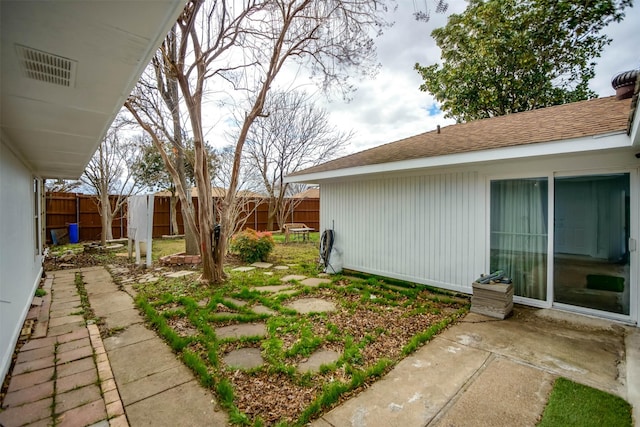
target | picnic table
x=297, y=229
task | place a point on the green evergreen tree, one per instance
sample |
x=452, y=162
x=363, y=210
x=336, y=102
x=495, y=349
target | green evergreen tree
x=506, y=56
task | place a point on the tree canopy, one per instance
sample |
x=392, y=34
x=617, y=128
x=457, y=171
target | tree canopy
x=152, y=172
x=506, y=56
x=242, y=48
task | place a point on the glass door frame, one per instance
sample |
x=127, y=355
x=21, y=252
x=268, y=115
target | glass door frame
x=546, y=303
x=634, y=232
x=634, y=299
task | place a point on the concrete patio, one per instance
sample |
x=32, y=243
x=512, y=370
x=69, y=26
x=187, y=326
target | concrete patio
x=496, y=373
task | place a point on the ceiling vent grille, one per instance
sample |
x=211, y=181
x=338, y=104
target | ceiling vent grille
x=46, y=67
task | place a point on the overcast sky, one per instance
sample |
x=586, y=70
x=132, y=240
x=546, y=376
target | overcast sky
x=391, y=107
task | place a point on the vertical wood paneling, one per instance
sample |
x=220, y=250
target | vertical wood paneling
x=420, y=228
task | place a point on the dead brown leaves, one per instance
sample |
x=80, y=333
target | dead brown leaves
x=272, y=397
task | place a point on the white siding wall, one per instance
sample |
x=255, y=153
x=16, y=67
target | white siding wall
x=427, y=229
x=20, y=266
x=431, y=227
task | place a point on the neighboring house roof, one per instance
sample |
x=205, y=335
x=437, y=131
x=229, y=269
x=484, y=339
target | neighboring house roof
x=599, y=116
x=310, y=193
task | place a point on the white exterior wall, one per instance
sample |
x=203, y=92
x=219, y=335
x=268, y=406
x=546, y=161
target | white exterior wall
x=20, y=264
x=426, y=229
x=431, y=226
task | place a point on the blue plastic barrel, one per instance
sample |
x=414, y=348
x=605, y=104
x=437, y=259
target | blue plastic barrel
x=73, y=233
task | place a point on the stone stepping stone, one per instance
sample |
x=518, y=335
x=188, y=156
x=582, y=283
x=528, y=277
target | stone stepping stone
x=317, y=359
x=273, y=288
x=311, y=305
x=243, y=269
x=262, y=264
x=281, y=267
x=261, y=309
x=148, y=279
x=292, y=277
x=236, y=302
x=268, y=273
x=203, y=302
x=117, y=270
x=130, y=290
x=242, y=330
x=314, y=282
x=180, y=273
x=244, y=358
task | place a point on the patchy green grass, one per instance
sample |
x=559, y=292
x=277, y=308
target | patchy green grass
x=376, y=324
x=572, y=404
x=314, y=237
x=164, y=247
x=297, y=252
x=161, y=247
x=61, y=249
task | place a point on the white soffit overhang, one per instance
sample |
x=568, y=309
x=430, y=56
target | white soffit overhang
x=577, y=145
x=66, y=70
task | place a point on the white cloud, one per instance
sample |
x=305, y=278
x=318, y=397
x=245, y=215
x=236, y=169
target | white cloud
x=391, y=106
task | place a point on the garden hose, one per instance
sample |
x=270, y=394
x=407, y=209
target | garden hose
x=326, y=245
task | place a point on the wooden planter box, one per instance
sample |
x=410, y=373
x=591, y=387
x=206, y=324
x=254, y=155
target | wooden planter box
x=494, y=300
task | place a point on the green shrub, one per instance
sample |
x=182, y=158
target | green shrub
x=252, y=245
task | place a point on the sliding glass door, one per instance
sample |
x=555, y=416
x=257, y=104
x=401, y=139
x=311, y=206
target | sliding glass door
x=591, y=229
x=519, y=234
x=591, y=253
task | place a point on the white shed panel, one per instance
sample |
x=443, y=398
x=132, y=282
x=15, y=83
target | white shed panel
x=427, y=229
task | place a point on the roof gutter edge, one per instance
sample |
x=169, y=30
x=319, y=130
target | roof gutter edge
x=606, y=141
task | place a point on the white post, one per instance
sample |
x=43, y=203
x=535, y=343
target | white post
x=149, y=228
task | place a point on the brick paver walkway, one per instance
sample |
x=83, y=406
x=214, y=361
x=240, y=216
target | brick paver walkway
x=66, y=376
x=62, y=375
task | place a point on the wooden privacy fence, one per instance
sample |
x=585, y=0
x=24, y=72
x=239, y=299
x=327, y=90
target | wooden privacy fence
x=63, y=209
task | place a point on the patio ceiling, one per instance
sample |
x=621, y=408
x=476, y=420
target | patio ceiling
x=54, y=116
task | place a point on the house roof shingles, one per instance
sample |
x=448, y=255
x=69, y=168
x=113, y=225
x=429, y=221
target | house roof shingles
x=561, y=122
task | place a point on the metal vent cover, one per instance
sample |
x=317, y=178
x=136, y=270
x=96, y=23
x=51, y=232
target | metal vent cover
x=47, y=67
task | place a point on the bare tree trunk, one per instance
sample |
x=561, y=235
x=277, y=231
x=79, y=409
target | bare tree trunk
x=226, y=222
x=106, y=219
x=296, y=30
x=272, y=212
x=190, y=233
x=188, y=217
x=171, y=98
x=173, y=201
x=285, y=207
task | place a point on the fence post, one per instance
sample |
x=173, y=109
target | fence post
x=121, y=221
